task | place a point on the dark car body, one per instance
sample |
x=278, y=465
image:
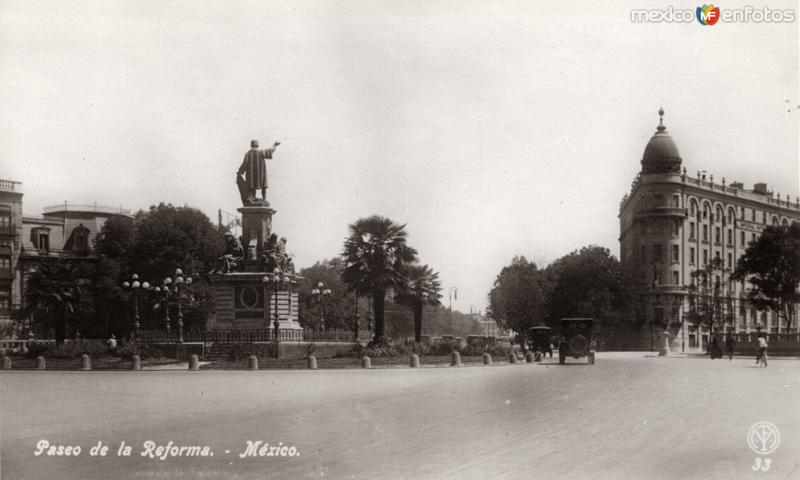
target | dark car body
x=539, y=339
x=577, y=339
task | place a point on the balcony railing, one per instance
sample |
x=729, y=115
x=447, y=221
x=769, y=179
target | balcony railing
x=95, y=208
x=10, y=186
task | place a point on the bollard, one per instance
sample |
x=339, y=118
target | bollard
x=252, y=362
x=487, y=359
x=366, y=362
x=512, y=357
x=414, y=360
x=40, y=363
x=6, y=362
x=455, y=359
x=194, y=362
x=312, y=362
x=86, y=362
x=136, y=362
x=529, y=357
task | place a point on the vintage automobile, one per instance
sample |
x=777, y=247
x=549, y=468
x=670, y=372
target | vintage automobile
x=539, y=339
x=577, y=339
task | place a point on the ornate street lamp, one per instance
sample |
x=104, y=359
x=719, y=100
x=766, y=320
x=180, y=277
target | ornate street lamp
x=163, y=294
x=321, y=295
x=135, y=286
x=276, y=280
x=424, y=301
x=453, y=294
x=181, y=285
x=356, y=324
x=176, y=286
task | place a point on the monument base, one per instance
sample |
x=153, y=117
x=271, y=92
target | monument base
x=244, y=301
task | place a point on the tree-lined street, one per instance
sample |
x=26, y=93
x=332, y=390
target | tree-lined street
x=629, y=416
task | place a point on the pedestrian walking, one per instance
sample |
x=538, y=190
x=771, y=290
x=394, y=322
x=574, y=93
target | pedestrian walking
x=762, y=349
x=730, y=342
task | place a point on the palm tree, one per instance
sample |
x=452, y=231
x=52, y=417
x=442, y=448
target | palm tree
x=423, y=287
x=376, y=260
x=55, y=289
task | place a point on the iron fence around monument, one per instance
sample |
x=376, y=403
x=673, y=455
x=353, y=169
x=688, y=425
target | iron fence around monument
x=255, y=335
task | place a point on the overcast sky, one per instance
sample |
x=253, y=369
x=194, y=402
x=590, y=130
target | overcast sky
x=489, y=129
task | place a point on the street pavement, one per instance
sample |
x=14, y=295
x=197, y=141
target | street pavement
x=631, y=415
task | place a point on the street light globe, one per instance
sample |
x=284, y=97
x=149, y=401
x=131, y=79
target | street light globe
x=167, y=281
x=135, y=277
x=327, y=291
x=179, y=281
x=145, y=285
x=285, y=279
x=135, y=284
x=276, y=270
x=276, y=278
x=178, y=272
x=188, y=280
x=265, y=279
x=126, y=285
x=320, y=285
x=315, y=292
x=157, y=289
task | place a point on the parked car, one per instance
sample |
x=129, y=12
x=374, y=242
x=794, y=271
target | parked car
x=577, y=339
x=539, y=339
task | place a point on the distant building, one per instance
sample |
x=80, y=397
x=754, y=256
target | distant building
x=489, y=327
x=62, y=231
x=672, y=224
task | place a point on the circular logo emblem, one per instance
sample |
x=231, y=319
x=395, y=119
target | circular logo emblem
x=763, y=438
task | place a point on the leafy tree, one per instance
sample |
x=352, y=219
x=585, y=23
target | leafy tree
x=339, y=307
x=116, y=238
x=516, y=300
x=589, y=283
x=423, y=288
x=168, y=237
x=771, y=265
x=705, y=295
x=376, y=258
x=57, y=292
x=153, y=244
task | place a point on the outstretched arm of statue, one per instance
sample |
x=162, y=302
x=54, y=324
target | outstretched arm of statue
x=271, y=149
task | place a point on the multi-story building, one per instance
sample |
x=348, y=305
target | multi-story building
x=63, y=231
x=10, y=244
x=673, y=224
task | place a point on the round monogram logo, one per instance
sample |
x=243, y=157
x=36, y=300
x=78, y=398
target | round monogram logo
x=763, y=438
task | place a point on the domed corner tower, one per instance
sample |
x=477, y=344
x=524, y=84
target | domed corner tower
x=652, y=235
x=661, y=154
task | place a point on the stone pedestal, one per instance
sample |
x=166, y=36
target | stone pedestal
x=256, y=229
x=243, y=301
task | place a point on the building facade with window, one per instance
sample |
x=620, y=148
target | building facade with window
x=10, y=243
x=673, y=224
x=62, y=231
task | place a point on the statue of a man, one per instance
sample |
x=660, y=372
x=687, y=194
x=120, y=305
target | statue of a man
x=233, y=254
x=252, y=174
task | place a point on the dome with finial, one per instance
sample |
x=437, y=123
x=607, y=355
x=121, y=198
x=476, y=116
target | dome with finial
x=661, y=154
